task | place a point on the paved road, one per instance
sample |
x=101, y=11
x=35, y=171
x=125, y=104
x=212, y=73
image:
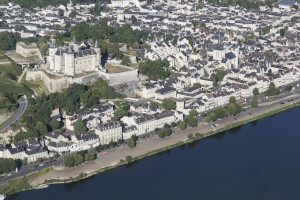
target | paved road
x=23, y=103
x=32, y=167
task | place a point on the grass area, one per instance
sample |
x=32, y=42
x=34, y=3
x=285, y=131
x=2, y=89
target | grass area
x=115, y=69
x=37, y=86
x=20, y=184
x=9, y=86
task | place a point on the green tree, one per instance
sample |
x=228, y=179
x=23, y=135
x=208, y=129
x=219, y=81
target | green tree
x=128, y=159
x=232, y=99
x=193, y=113
x=282, y=32
x=182, y=125
x=25, y=161
x=131, y=143
x=255, y=92
x=126, y=60
x=73, y=14
x=55, y=124
x=89, y=157
x=192, y=121
x=69, y=161
x=157, y=69
x=161, y=133
x=288, y=88
x=134, y=137
x=272, y=90
x=254, y=102
x=190, y=136
x=78, y=159
x=168, y=104
x=211, y=117
x=80, y=127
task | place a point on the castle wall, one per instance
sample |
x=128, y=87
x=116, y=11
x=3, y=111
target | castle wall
x=27, y=52
x=84, y=64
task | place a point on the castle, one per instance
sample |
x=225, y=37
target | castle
x=74, y=59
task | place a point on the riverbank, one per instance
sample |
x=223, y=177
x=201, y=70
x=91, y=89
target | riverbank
x=151, y=146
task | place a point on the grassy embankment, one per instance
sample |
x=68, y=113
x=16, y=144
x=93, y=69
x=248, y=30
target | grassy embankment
x=20, y=184
x=9, y=86
x=195, y=137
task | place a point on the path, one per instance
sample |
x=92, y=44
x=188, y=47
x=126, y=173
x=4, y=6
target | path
x=20, y=77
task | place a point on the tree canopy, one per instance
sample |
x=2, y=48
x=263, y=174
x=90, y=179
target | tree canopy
x=157, y=69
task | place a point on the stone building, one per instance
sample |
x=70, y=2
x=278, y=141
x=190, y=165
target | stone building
x=74, y=59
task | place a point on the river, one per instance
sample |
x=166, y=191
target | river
x=257, y=161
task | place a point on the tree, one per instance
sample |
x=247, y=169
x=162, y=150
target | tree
x=69, y=161
x=254, y=102
x=128, y=159
x=131, y=143
x=73, y=14
x=126, y=60
x=78, y=159
x=25, y=161
x=288, y=88
x=80, y=127
x=272, y=90
x=211, y=117
x=134, y=137
x=89, y=157
x=192, y=121
x=234, y=108
x=182, y=125
x=157, y=69
x=232, y=99
x=193, y=113
x=112, y=144
x=168, y=104
x=190, y=136
x=120, y=141
x=282, y=32
x=55, y=124
x=255, y=92
x=161, y=134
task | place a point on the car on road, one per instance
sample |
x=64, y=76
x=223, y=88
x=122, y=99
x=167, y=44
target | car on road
x=235, y=118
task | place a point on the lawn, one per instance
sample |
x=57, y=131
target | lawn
x=9, y=86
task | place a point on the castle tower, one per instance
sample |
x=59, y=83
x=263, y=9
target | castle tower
x=98, y=54
x=70, y=62
x=52, y=51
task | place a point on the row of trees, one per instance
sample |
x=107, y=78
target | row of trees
x=232, y=108
x=78, y=158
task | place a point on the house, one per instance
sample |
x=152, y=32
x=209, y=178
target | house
x=164, y=93
x=85, y=141
x=107, y=132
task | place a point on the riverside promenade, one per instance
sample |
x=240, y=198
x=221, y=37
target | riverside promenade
x=112, y=157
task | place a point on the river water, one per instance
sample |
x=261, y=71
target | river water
x=257, y=161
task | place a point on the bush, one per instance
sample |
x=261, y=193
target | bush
x=134, y=137
x=190, y=136
x=128, y=159
x=55, y=124
x=131, y=143
x=173, y=124
x=192, y=122
x=161, y=134
x=182, y=125
x=69, y=161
